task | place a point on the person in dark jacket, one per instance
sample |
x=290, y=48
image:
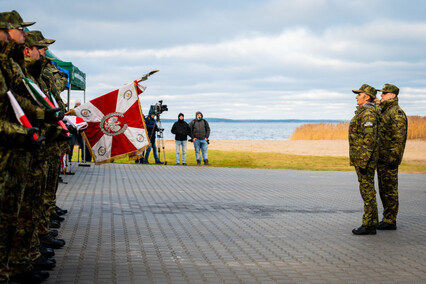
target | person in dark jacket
x=200, y=132
x=152, y=128
x=181, y=130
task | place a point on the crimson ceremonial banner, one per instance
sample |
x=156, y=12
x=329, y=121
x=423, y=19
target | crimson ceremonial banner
x=116, y=127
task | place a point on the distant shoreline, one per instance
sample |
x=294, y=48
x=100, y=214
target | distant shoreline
x=213, y=119
x=415, y=149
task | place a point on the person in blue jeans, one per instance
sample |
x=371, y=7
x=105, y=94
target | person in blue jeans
x=200, y=132
x=152, y=128
x=181, y=130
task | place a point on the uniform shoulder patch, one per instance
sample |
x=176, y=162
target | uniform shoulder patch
x=368, y=124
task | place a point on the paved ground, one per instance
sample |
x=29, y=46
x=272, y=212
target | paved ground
x=171, y=224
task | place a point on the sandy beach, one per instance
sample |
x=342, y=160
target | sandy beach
x=415, y=149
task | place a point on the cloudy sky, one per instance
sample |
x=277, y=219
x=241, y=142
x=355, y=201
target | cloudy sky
x=242, y=59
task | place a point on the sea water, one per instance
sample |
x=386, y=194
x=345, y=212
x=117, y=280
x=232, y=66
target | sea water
x=243, y=130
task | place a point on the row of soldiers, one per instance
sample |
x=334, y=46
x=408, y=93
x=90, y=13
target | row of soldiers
x=29, y=164
x=377, y=137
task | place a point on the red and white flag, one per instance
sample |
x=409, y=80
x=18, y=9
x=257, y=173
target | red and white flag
x=20, y=115
x=76, y=122
x=41, y=99
x=115, y=124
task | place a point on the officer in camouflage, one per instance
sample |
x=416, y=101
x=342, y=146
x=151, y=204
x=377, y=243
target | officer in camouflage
x=392, y=138
x=363, y=154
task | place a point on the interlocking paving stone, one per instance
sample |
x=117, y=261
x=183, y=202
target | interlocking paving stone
x=174, y=224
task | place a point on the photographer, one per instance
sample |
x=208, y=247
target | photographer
x=152, y=128
x=200, y=132
x=181, y=130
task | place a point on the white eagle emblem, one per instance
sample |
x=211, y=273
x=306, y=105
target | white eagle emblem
x=112, y=124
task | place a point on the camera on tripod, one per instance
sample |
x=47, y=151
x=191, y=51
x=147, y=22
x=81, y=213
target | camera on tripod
x=158, y=108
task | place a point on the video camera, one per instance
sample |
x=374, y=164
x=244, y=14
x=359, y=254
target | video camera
x=158, y=108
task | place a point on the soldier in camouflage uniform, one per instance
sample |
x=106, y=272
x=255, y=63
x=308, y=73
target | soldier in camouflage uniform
x=392, y=138
x=20, y=265
x=51, y=161
x=363, y=153
x=16, y=167
x=55, y=81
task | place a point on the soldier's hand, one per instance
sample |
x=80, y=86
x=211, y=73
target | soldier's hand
x=63, y=136
x=54, y=114
x=34, y=143
x=38, y=141
x=32, y=130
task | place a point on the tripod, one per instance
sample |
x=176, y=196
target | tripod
x=160, y=138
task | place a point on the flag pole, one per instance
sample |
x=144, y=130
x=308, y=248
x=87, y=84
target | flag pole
x=145, y=77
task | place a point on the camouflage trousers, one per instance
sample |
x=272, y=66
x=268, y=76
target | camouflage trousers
x=368, y=194
x=14, y=169
x=388, y=190
x=46, y=206
x=19, y=259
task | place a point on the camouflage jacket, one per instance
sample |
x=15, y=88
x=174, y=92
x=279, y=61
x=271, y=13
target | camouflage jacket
x=363, y=132
x=54, y=86
x=15, y=72
x=49, y=130
x=392, y=132
x=53, y=80
x=12, y=134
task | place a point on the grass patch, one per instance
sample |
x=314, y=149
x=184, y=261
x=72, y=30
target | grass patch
x=270, y=160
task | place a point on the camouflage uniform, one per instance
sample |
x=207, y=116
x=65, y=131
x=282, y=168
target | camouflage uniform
x=52, y=160
x=19, y=260
x=363, y=153
x=14, y=161
x=392, y=138
x=53, y=86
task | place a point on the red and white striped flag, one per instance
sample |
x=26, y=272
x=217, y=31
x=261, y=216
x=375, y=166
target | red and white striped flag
x=20, y=115
x=115, y=124
x=41, y=98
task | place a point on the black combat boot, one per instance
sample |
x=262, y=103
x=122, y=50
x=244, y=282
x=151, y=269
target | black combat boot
x=47, y=252
x=44, y=263
x=60, y=211
x=198, y=163
x=386, y=226
x=50, y=242
x=365, y=230
x=31, y=276
x=54, y=233
x=56, y=217
x=54, y=224
x=206, y=162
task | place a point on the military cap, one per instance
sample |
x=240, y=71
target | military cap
x=4, y=25
x=372, y=92
x=15, y=19
x=389, y=88
x=39, y=36
x=31, y=40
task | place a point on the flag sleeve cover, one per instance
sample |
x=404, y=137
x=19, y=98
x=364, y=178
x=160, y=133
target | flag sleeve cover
x=115, y=124
x=20, y=115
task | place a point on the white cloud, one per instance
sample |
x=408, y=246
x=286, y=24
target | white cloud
x=283, y=59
